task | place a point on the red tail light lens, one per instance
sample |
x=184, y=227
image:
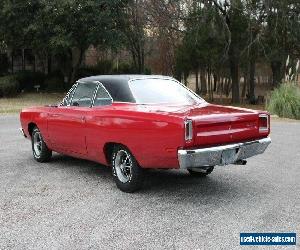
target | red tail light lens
x=263, y=123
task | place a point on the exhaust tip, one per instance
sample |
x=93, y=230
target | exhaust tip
x=241, y=162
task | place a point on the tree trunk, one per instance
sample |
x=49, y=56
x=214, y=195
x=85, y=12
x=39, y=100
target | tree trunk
x=185, y=77
x=203, y=81
x=210, y=84
x=34, y=63
x=49, y=64
x=234, y=70
x=76, y=66
x=138, y=57
x=134, y=58
x=197, y=81
x=221, y=89
x=221, y=85
x=245, y=85
x=252, y=81
x=23, y=59
x=215, y=82
x=12, y=62
x=276, y=73
x=228, y=86
x=140, y=61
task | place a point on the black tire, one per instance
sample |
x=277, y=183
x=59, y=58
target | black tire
x=200, y=172
x=40, y=151
x=127, y=174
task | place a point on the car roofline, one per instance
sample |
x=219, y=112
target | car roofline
x=122, y=77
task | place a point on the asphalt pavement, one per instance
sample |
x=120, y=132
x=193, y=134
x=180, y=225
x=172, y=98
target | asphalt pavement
x=74, y=204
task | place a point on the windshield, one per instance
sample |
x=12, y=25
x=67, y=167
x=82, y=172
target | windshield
x=155, y=91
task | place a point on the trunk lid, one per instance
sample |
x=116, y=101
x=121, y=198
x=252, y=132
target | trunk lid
x=212, y=124
x=215, y=124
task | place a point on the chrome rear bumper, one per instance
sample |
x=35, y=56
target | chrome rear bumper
x=221, y=155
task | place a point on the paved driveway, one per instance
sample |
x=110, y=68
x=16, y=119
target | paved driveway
x=74, y=204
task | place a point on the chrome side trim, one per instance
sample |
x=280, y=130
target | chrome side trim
x=215, y=155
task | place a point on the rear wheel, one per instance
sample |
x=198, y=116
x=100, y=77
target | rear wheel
x=200, y=172
x=40, y=151
x=128, y=175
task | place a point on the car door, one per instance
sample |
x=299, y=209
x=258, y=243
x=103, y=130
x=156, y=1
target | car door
x=97, y=123
x=67, y=124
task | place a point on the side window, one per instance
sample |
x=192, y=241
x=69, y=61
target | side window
x=83, y=95
x=102, y=97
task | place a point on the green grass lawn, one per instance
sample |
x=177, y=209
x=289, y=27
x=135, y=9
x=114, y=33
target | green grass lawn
x=16, y=104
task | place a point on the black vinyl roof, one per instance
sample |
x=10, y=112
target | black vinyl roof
x=117, y=85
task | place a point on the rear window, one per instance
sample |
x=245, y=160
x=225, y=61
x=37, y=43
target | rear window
x=164, y=91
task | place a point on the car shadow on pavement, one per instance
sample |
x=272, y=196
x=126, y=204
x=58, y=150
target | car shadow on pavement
x=217, y=187
x=179, y=181
x=83, y=166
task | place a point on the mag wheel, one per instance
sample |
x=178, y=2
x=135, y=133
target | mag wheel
x=127, y=173
x=40, y=151
x=200, y=172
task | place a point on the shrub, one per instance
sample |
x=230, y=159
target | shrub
x=54, y=83
x=86, y=72
x=124, y=68
x=101, y=68
x=129, y=68
x=107, y=67
x=28, y=80
x=147, y=71
x=4, y=64
x=104, y=67
x=285, y=101
x=9, y=86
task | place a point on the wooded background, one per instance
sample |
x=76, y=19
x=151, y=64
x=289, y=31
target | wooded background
x=220, y=43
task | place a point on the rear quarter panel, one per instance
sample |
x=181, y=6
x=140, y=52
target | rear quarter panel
x=152, y=138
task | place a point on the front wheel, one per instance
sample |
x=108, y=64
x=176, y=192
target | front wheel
x=40, y=151
x=127, y=173
x=200, y=172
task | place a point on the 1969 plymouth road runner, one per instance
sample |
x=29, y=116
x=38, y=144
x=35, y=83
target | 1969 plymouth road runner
x=137, y=122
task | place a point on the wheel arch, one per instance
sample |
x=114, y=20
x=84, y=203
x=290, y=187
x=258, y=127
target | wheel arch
x=108, y=150
x=30, y=128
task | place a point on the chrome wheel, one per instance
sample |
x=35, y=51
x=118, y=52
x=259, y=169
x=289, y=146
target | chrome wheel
x=37, y=143
x=40, y=151
x=123, y=166
x=127, y=174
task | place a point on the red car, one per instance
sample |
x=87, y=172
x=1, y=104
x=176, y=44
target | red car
x=137, y=122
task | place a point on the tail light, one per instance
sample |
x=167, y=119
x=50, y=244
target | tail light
x=263, y=123
x=188, y=126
